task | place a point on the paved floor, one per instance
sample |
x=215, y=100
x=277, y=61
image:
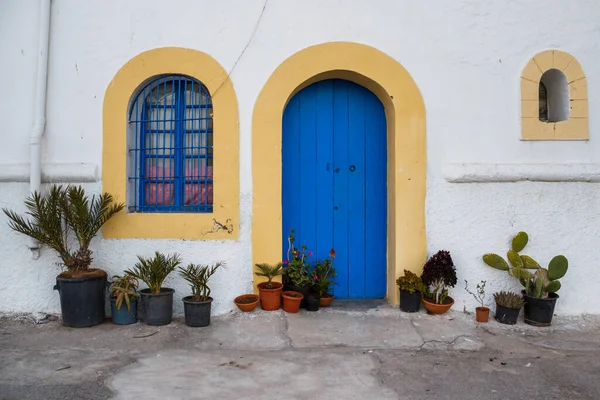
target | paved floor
x=352, y=351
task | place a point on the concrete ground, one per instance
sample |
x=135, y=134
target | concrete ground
x=351, y=351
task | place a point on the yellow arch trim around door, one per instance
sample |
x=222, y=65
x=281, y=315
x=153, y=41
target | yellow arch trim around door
x=405, y=113
x=127, y=81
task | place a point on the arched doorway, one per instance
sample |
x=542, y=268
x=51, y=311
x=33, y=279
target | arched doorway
x=406, y=149
x=334, y=182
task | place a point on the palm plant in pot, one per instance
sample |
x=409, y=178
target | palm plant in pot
x=411, y=290
x=508, y=306
x=438, y=275
x=482, y=313
x=157, y=301
x=270, y=292
x=540, y=286
x=66, y=219
x=123, y=299
x=197, y=307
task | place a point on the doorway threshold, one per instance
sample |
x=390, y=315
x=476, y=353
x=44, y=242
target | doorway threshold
x=359, y=304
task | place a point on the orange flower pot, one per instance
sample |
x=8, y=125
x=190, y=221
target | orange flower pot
x=270, y=299
x=246, y=302
x=291, y=301
x=482, y=314
x=326, y=300
x=433, y=308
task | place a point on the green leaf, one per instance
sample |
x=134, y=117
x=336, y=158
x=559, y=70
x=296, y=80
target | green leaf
x=495, y=261
x=519, y=241
x=553, y=287
x=558, y=267
x=530, y=263
x=514, y=259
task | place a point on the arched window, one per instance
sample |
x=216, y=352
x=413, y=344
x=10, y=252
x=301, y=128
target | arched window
x=170, y=164
x=554, y=96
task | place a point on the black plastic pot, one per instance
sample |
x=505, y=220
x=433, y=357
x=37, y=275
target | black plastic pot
x=410, y=302
x=505, y=315
x=197, y=313
x=539, y=312
x=312, y=302
x=305, y=292
x=123, y=316
x=81, y=301
x=158, y=308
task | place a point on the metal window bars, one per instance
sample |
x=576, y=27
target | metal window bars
x=172, y=151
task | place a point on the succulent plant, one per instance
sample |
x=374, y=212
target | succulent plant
x=410, y=282
x=537, y=284
x=439, y=274
x=509, y=300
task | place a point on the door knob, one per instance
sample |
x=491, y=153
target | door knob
x=352, y=168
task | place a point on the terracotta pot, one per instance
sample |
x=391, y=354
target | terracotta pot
x=326, y=300
x=246, y=307
x=433, y=308
x=291, y=301
x=482, y=314
x=270, y=299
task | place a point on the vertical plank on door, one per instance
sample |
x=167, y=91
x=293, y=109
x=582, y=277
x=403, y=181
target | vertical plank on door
x=324, y=150
x=290, y=174
x=340, y=186
x=376, y=199
x=356, y=187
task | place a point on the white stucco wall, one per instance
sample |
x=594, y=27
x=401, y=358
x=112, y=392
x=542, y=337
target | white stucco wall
x=466, y=56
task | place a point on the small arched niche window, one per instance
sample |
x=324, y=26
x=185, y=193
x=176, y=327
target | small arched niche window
x=554, y=96
x=170, y=143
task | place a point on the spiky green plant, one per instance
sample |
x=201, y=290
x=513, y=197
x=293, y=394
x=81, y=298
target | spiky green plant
x=153, y=271
x=509, y=300
x=269, y=271
x=537, y=284
x=124, y=289
x=198, y=276
x=62, y=216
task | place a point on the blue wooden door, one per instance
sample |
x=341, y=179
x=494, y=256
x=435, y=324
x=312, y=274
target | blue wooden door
x=334, y=157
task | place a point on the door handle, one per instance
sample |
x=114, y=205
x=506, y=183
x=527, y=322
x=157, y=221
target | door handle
x=352, y=168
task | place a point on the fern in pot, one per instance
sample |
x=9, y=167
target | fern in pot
x=197, y=307
x=157, y=300
x=66, y=219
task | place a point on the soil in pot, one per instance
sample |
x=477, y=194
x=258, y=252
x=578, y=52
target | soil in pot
x=82, y=298
x=434, y=308
x=158, y=308
x=291, y=301
x=482, y=314
x=505, y=315
x=410, y=302
x=197, y=313
x=123, y=316
x=270, y=298
x=246, y=302
x=304, y=291
x=539, y=312
x=326, y=300
x=312, y=302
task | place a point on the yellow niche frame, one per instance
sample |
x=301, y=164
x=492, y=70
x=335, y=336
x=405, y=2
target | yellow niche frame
x=405, y=114
x=120, y=91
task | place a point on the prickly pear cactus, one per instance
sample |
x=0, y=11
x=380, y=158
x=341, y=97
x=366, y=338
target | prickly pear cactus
x=537, y=284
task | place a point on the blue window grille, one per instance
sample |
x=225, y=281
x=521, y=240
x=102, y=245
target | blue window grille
x=171, y=147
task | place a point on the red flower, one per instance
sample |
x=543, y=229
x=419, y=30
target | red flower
x=310, y=253
x=286, y=262
x=332, y=253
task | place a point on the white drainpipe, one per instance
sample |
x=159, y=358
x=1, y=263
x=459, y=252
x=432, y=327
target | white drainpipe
x=39, y=109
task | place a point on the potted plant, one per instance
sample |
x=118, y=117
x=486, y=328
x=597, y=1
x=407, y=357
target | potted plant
x=540, y=286
x=246, y=302
x=296, y=270
x=323, y=274
x=482, y=313
x=157, y=301
x=291, y=301
x=123, y=289
x=438, y=276
x=197, y=307
x=66, y=220
x=508, y=306
x=411, y=289
x=270, y=292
